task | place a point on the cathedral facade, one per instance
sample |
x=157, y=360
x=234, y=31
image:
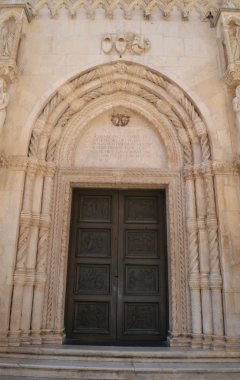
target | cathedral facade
x=119, y=160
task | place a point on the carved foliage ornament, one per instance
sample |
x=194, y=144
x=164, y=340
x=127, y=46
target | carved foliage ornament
x=130, y=43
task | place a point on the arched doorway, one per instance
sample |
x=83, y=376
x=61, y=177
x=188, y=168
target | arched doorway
x=182, y=166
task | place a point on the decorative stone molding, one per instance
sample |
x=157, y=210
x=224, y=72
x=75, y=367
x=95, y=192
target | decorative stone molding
x=27, y=164
x=148, y=7
x=121, y=44
x=56, y=131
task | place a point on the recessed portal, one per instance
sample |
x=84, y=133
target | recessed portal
x=117, y=274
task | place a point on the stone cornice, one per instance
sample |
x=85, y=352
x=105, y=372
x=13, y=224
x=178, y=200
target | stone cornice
x=148, y=7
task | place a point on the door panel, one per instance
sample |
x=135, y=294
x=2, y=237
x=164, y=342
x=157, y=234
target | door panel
x=117, y=273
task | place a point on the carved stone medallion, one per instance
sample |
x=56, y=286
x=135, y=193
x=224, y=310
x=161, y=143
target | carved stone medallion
x=120, y=119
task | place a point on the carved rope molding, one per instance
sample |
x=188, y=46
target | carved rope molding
x=148, y=7
x=51, y=135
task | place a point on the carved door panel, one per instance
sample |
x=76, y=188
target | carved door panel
x=117, y=267
x=142, y=291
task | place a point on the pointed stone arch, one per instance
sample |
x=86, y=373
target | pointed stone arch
x=37, y=313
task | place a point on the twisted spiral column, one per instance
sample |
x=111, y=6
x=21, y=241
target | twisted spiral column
x=194, y=277
x=19, y=275
x=31, y=257
x=204, y=263
x=215, y=272
x=41, y=276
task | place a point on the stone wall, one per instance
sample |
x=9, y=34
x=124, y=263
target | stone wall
x=49, y=52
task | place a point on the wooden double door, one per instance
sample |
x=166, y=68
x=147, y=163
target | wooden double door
x=117, y=274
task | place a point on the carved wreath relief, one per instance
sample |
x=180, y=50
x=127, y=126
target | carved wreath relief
x=130, y=43
x=120, y=119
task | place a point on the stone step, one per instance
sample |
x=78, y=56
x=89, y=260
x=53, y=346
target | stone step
x=118, y=363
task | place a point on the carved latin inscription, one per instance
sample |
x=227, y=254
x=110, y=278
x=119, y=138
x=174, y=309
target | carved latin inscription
x=135, y=145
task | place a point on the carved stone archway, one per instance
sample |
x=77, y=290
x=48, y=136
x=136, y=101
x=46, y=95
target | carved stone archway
x=194, y=274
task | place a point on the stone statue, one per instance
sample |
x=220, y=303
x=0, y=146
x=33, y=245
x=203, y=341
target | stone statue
x=235, y=43
x=4, y=99
x=236, y=108
x=7, y=36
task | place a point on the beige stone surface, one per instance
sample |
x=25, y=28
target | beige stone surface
x=107, y=146
x=182, y=135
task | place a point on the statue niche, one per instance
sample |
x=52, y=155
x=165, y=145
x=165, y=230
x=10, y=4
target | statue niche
x=8, y=31
x=235, y=41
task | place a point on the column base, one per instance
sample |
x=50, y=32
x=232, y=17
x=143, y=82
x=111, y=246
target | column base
x=14, y=338
x=36, y=337
x=179, y=341
x=218, y=343
x=197, y=342
x=207, y=342
x=25, y=338
x=53, y=337
x=3, y=340
x=232, y=344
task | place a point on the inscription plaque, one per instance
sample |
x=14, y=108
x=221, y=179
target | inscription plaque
x=135, y=146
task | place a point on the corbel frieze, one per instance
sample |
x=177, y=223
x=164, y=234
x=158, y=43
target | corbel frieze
x=166, y=8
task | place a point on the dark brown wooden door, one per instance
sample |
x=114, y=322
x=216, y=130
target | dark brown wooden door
x=117, y=276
